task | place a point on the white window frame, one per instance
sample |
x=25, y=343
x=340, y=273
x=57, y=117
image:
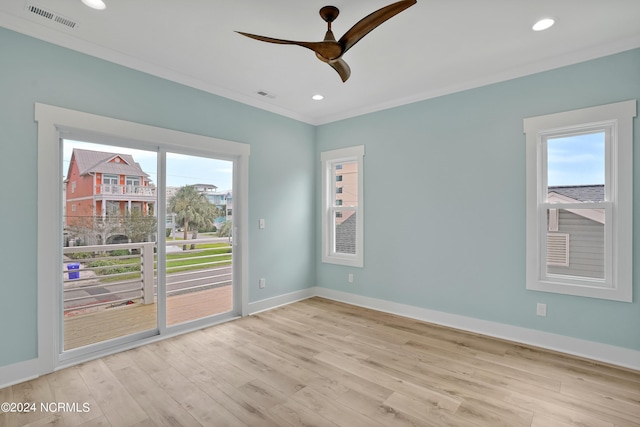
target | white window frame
x=617, y=122
x=110, y=177
x=132, y=181
x=329, y=159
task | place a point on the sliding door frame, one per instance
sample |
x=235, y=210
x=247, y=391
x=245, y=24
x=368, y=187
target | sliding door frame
x=56, y=124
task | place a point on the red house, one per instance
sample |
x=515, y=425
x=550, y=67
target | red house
x=103, y=184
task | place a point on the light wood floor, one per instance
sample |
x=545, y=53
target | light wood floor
x=322, y=363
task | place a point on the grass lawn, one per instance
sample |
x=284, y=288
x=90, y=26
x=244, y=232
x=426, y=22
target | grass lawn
x=209, y=255
x=220, y=253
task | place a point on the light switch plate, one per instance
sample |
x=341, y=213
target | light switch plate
x=541, y=309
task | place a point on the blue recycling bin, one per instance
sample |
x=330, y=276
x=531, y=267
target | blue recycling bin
x=74, y=275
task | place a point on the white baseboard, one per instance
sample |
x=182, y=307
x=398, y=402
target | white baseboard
x=605, y=353
x=18, y=373
x=269, y=303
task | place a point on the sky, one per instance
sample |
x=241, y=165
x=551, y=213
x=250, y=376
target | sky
x=573, y=160
x=576, y=160
x=181, y=169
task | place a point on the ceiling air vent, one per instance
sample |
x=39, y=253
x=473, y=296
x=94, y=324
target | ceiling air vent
x=52, y=16
x=265, y=94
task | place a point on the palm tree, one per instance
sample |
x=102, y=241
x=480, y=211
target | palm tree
x=225, y=230
x=193, y=210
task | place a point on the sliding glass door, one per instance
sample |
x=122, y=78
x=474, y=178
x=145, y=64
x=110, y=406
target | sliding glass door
x=110, y=231
x=147, y=243
x=199, y=251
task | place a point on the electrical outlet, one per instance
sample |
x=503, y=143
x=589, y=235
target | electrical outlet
x=541, y=309
x=350, y=277
x=262, y=283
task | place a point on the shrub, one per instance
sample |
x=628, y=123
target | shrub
x=119, y=252
x=80, y=255
x=114, y=268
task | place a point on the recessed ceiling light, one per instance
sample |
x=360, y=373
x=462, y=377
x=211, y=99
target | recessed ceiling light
x=543, y=24
x=95, y=4
x=317, y=97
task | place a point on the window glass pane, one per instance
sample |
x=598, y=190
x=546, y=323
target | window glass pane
x=342, y=221
x=576, y=168
x=199, y=263
x=346, y=189
x=107, y=293
x=345, y=231
x=577, y=248
x=110, y=184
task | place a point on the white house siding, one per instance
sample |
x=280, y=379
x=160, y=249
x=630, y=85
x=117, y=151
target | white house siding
x=586, y=246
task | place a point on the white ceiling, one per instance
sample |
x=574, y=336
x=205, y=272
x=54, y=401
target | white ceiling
x=433, y=48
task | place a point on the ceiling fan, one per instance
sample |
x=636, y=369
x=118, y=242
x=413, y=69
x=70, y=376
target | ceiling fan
x=329, y=50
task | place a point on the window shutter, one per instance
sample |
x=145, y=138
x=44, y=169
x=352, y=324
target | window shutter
x=558, y=249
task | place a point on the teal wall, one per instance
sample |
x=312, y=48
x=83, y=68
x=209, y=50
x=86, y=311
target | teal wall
x=445, y=202
x=280, y=190
x=444, y=188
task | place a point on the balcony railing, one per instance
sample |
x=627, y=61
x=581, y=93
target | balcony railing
x=103, y=276
x=125, y=190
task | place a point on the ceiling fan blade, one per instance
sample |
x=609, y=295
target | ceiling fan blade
x=342, y=68
x=326, y=49
x=370, y=22
x=309, y=45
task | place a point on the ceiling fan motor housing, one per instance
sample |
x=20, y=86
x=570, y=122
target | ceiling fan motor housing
x=329, y=13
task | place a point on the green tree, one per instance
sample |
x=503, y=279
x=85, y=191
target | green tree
x=225, y=230
x=94, y=230
x=193, y=210
x=138, y=227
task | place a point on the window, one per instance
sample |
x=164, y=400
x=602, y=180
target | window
x=133, y=184
x=579, y=202
x=136, y=207
x=112, y=208
x=110, y=184
x=342, y=206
